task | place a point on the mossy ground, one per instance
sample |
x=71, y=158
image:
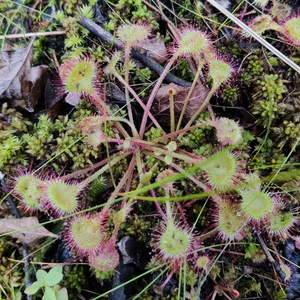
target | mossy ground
x=263, y=96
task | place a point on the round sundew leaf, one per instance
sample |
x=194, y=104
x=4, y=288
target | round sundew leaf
x=30, y=189
x=63, y=196
x=91, y=128
x=292, y=29
x=262, y=23
x=107, y=259
x=286, y=270
x=261, y=3
x=228, y=131
x=203, y=262
x=231, y=221
x=256, y=204
x=167, y=173
x=192, y=41
x=133, y=33
x=252, y=181
x=279, y=223
x=174, y=242
x=85, y=233
x=81, y=77
x=221, y=167
x=65, y=69
x=219, y=71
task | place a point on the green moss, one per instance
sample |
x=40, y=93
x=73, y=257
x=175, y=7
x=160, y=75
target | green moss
x=11, y=273
x=75, y=279
x=9, y=149
x=269, y=154
x=270, y=91
x=131, y=11
x=230, y=95
x=200, y=136
x=137, y=228
x=153, y=133
x=47, y=139
x=97, y=187
x=255, y=65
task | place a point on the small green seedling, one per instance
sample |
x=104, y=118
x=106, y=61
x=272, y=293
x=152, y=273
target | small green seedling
x=49, y=283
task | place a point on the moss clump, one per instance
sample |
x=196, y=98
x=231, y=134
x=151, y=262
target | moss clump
x=11, y=273
x=23, y=140
x=153, y=133
x=137, y=228
x=255, y=65
x=230, y=95
x=269, y=93
x=75, y=280
x=131, y=11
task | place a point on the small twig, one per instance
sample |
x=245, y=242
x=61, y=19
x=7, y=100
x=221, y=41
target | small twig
x=270, y=258
x=23, y=248
x=159, y=11
x=152, y=64
x=31, y=34
x=26, y=259
x=5, y=189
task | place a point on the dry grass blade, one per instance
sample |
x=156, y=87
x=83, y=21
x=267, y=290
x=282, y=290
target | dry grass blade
x=255, y=35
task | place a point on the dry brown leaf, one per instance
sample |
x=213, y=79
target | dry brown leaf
x=17, y=64
x=34, y=85
x=18, y=80
x=155, y=49
x=161, y=106
x=28, y=230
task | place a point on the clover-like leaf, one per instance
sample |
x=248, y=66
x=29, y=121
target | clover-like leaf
x=41, y=276
x=168, y=159
x=49, y=294
x=31, y=290
x=62, y=294
x=54, y=276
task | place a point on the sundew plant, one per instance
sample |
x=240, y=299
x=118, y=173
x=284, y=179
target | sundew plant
x=183, y=183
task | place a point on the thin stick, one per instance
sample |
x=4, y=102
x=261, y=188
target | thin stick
x=31, y=34
x=146, y=60
x=24, y=247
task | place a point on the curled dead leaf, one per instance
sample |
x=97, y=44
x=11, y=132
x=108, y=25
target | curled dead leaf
x=161, y=105
x=155, y=49
x=28, y=230
x=19, y=81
